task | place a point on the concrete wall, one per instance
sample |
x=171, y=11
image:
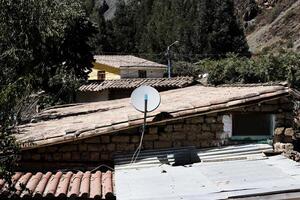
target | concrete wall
x=131, y=72
x=200, y=131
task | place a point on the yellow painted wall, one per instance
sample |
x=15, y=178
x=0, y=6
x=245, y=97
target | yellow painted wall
x=110, y=72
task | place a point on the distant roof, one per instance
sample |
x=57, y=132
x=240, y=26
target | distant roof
x=234, y=172
x=118, y=61
x=80, y=185
x=74, y=122
x=176, y=82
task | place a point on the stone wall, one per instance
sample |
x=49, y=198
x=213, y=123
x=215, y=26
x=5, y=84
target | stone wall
x=200, y=131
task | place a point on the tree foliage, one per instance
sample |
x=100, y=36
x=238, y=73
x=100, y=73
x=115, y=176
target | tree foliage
x=43, y=47
x=206, y=28
x=260, y=69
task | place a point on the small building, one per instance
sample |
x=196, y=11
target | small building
x=122, y=88
x=201, y=116
x=187, y=143
x=110, y=67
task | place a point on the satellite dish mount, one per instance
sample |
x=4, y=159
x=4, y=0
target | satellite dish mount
x=144, y=99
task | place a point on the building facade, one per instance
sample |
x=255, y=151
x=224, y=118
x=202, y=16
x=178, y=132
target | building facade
x=111, y=67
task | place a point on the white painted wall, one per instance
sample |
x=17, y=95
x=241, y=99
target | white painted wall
x=129, y=72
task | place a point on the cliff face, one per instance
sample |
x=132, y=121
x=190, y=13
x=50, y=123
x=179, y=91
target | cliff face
x=276, y=24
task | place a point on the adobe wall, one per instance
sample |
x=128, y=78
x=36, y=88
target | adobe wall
x=200, y=131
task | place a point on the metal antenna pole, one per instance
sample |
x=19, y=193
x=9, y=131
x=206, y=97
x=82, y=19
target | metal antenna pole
x=169, y=62
x=145, y=112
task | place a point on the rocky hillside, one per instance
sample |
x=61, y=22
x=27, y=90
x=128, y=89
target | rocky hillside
x=271, y=24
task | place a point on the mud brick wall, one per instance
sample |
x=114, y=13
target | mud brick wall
x=200, y=131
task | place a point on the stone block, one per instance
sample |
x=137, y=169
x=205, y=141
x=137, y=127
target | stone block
x=135, y=139
x=68, y=148
x=287, y=139
x=283, y=147
x=289, y=132
x=148, y=145
x=168, y=128
x=210, y=120
x=125, y=147
x=148, y=137
x=57, y=156
x=153, y=130
x=76, y=156
x=52, y=149
x=279, y=131
x=179, y=136
x=196, y=128
x=41, y=150
x=196, y=120
x=269, y=108
x=67, y=156
x=82, y=147
x=96, y=147
x=118, y=138
x=177, y=144
x=162, y=144
x=104, y=156
x=178, y=127
x=191, y=136
x=94, y=156
x=48, y=157
x=216, y=127
x=93, y=140
x=36, y=157
x=84, y=156
x=166, y=137
x=206, y=127
x=111, y=147
x=220, y=119
x=206, y=136
x=105, y=139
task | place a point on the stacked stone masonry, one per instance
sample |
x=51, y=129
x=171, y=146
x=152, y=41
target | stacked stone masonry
x=199, y=131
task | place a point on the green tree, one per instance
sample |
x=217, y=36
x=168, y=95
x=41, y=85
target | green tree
x=205, y=28
x=43, y=46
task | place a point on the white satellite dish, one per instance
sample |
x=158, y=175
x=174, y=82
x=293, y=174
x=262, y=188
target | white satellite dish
x=145, y=94
x=144, y=99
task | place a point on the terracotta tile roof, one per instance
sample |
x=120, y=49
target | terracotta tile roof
x=83, y=185
x=176, y=82
x=118, y=61
x=69, y=123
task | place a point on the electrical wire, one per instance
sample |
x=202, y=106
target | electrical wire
x=138, y=150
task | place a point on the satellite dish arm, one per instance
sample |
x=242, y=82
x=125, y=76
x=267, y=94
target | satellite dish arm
x=145, y=111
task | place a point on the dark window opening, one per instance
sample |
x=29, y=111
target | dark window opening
x=101, y=75
x=142, y=74
x=255, y=124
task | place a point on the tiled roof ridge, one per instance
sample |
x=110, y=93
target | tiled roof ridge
x=174, y=82
x=61, y=185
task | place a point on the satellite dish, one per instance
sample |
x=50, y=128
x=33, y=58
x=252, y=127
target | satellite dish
x=142, y=94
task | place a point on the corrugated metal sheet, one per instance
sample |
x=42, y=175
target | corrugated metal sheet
x=154, y=158
x=249, y=175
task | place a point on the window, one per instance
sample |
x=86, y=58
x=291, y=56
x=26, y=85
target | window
x=142, y=74
x=253, y=124
x=101, y=75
